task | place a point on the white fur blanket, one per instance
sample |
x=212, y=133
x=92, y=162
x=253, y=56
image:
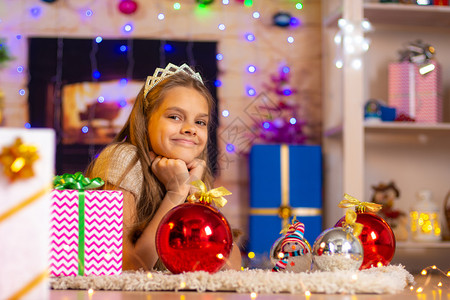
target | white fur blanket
x=383, y=280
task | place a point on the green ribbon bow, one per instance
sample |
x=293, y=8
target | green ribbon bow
x=78, y=182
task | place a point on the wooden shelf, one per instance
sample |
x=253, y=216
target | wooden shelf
x=395, y=127
x=333, y=131
x=421, y=245
x=407, y=14
x=407, y=127
x=400, y=14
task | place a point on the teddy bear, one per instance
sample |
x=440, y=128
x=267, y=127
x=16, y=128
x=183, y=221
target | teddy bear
x=386, y=195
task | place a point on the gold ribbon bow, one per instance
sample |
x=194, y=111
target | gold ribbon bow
x=360, y=206
x=350, y=221
x=18, y=160
x=204, y=196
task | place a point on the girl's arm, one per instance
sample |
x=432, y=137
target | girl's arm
x=175, y=176
x=143, y=254
x=130, y=261
x=145, y=247
x=235, y=260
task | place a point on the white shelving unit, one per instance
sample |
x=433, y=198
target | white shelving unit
x=358, y=155
x=398, y=14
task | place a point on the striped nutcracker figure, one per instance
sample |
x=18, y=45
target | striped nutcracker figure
x=296, y=252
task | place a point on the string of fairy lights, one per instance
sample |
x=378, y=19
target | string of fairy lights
x=350, y=42
x=435, y=280
x=87, y=12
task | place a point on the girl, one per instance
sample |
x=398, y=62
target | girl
x=159, y=151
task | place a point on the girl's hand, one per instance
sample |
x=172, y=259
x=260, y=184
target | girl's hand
x=173, y=173
x=196, y=169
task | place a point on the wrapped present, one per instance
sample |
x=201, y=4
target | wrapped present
x=27, y=159
x=285, y=181
x=86, y=228
x=416, y=95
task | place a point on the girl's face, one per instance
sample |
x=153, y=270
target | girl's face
x=178, y=129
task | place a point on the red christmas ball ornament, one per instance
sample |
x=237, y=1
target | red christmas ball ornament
x=194, y=237
x=128, y=7
x=377, y=238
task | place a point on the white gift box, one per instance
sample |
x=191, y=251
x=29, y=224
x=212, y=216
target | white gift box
x=24, y=217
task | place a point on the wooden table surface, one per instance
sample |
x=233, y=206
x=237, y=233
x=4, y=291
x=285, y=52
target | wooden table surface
x=429, y=293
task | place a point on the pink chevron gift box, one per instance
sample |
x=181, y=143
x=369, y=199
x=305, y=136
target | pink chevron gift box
x=86, y=239
x=418, y=96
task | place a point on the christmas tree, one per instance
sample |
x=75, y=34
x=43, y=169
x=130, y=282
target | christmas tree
x=280, y=122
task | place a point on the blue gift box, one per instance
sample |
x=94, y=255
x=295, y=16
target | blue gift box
x=285, y=181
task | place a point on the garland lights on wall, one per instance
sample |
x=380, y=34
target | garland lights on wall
x=130, y=7
x=350, y=42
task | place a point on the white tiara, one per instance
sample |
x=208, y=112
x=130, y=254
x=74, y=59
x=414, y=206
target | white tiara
x=171, y=69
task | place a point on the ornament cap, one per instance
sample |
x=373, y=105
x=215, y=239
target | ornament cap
x=350, y=223
x=360, y=209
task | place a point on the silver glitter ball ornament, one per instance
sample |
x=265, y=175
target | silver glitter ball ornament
x=337, y=249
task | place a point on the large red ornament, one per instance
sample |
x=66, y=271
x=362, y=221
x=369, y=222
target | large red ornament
x=193, y=237
x=377, y=239
x=128, y=6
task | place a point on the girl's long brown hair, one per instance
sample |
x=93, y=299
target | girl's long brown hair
x=135, y=132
